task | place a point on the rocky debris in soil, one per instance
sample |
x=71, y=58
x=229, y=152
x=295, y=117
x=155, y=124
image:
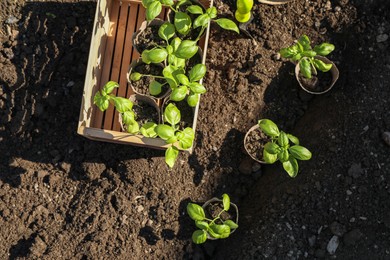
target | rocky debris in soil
x=337, y=229
x=93, y=170
x=382, y=38
x=386, y=137
x=38, y=247
x=352, y=237
x=355, y=171
x=333, y=245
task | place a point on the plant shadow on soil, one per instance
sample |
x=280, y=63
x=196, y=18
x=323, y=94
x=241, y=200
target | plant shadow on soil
x=50, y=61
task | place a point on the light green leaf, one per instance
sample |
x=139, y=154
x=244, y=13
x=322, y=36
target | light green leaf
x=283, y=155
x=283, y=139
x=186, y=138
x=199, y=236
x=289, y=52
x=128, y=117
x=122, y=104
x=201, y=21
x=212, y=12
x=165, y=132
x=182, y=23
x=324, y=49
x=156, y=55
x=226, y=202
x=201, y=224
x=272, y=148
x=192, y=99
x=305, y=42
x=166, y=31
x=172, y=114
x=186, y=49
x=293, y=139
x=269, y=158
x=102, y=102
x=300, y=152
x=195, y=212
x=109, y=87
x=291, y=167
x=197, y=88
x=322, y=66
x=167, y=2
x=227, y=24
x=305, y=68
x=183, y=79
x=155, y=88
x=223, y=230
x=179, y=93
x=133, y=127
x=171, y=155
x=195, y=9
x=135, y=76
x=153, y=10
x=197, y=72
x=269, y=127
x=148, y=129
x=231, y=224
x=309, y=54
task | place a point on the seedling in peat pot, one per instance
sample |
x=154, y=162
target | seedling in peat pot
x=303, y=53
x=215, y=228
x=279, y=148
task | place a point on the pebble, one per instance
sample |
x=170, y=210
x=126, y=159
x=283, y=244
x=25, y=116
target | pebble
x=65, y=166
x=140, y=208
x=70, y=84
x=276, y=56
x=386, y=137
x=332, y=245
x=382, y=37
x=312, y=240
x=337, y=229
x=11, y=20
x=352, y=237
x=355, y=170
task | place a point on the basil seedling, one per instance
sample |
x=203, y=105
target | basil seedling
x=303, y=53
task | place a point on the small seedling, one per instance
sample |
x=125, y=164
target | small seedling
x=171, y=133
x=304, y=54
x=243, y=12
x=215, y=228
x=279, y=148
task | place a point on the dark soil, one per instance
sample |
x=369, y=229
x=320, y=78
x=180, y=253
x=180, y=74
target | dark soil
x=148, y=39
x=63, y=196
x=254, y=143
x=196, y=59
x=142, y=86
x=317, y=83
x=213, y=209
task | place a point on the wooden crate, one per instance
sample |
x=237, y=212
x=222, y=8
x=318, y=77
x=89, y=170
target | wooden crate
x=110, y=55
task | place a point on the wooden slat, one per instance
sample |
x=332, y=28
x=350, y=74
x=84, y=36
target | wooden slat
x=107, y=60
x=117, y=62
x=140, y=19
x=127, y=52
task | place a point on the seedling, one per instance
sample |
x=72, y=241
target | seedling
x=171, y=133
x=280, y=148
x=215, y=228
x=243, y=12
x=303, y=53
x=103, y=98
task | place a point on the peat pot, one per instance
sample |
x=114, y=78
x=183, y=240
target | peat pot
x=216, y=202
x=275, y=2
x=147, y=36
x=318, y=85
x=254, y=142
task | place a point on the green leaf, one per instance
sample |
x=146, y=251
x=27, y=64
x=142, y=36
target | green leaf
x=231, y=224
x=166, y=31
x=122, y=104
x=195, y=9
x=172, y=114
x=305, y=42
x=146, y=3
x=109, y=87
x=297, y=57
x=197, y=88
x=269, y=158
x=300, y=152
x=182, y=23
x=171, y=155
x=192, y=99
x=201, y=21
x=283, y=139
x=133, y=127
x=309, y=54
x=283, y=155
x=156, y=55
x=293, y=139
x=102, y=102
x=167, y=2
x=244, y=6
x=182, y=2
x=148, y=129
x=197, y=72
x=291, y=167
x=289, y=52
x=186, y=49
x=227, y=24
x=165, y=132
x=305, y=68
x=322, y=66
x=223, y=230
x=226, y=202
x=272, y=148
x=201, y=224
x=212, y=12
x=170, y=73
x=324, y=49
x=186, y=138
x=179, y=93
x=175, y=43
x=199, y=236
x=155, y=88
x=269, y=127
x=183, y=79
x=128, y=117
x=153, y=10
x=135, y=76
x=195, y=212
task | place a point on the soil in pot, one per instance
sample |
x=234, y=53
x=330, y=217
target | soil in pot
x=255, y=142
x=317, y=83
x=186, y=112
x=142, y=86
x=149, y=38
x=145, y=112
x=214, y=208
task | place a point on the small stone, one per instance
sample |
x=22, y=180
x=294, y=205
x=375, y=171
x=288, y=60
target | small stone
x=332, y=245
x=65, y=166
x=355, y=170
x=246, y=166
x=349, y=193
x=386, y=137
x=312, y=240
x=337, y=9
x=41, y=174
x=38, y=247
x=70, y=84
x=382, y=37
x=352, y=237
x=337, y=229
x=11, y=20
x=139, y=208
x=276, y=56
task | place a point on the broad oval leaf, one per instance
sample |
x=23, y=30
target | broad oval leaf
x=179, y=93
x=197, y=72
x=244, y=6
x=300, y=152
x=305, y=42
x=192, y=99
x=293, y=139
x=148, y=129
x=164, y=131
x=269, y=158
x=128, y=117
x=201, y=224
x=231, y=224
x=155, y=88
x=283, y=155
x=122, y=104
x=172, y=114
x=305, y=68
x=167, y=2
x=109, y=87
x=182, y=23
x=269, y=127
x=199, y=237
x=227, y=24
x=283, y=139
x=183, y=79
x=322, y=66
x=171, y=155
x=291, y=167
x=195, y=9
x=195, y=212
x=289, y=52
x=156, y=55
x=201, y=21
x=101, y=101
x=272, y=148
x=133, y=127
x=324, y=48
x=186, y=49
x=153, y=10
x=242, y=17
x=226, y=202
x=166, y=31
x=223, y=230
x=135, y=76
x=187, y=137
x=197, y=88
x=309, y=54
x=146, y=3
